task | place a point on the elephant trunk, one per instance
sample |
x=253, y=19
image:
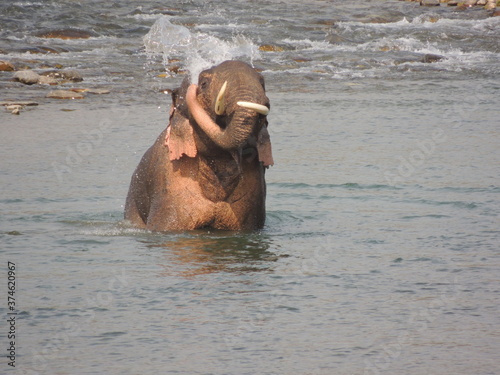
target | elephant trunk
x=239, y=129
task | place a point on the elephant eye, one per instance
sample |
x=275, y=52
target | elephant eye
x=203, y=82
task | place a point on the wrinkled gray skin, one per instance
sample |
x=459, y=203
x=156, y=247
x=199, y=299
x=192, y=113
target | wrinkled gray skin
x=192, y=178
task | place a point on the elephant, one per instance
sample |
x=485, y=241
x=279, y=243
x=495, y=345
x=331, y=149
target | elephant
x=206, y=169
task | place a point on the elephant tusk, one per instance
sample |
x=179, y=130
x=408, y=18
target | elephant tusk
x=259, y=108
x=220, y=104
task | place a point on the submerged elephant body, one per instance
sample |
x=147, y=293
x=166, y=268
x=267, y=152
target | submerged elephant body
x=207, y=168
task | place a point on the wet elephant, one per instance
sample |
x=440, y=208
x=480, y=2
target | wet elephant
x=206, y=169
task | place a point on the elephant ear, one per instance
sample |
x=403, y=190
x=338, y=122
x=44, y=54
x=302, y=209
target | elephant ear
x=180, y=137
x=264, y=147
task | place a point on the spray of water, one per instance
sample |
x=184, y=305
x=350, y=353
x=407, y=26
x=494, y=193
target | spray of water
x=196, y=50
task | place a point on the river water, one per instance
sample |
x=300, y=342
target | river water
x=380, y=253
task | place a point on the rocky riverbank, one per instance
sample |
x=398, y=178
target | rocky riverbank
x=52, y=77
x=34, y=72
x=462, y=4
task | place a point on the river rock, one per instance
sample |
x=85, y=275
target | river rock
x=411, y=57
x=64, y=94
x=430, y=3
x=15, y=109
x=46, y=80
x=98, y=91
x=18, y=102
x=92, y=91
x=66, y=34
x=430, y=58
x=460, y=4
x=72, y=75
x=491, y=4
x=271, y=48
x=69, y=75
x=6, y=66
x=325, y=22
x=27, y=77
x=41, y=50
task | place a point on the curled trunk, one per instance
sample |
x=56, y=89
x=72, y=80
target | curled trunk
x=237, y=131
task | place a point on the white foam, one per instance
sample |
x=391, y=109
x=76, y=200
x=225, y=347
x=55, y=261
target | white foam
x=28, y=4
x=348, y=25
x=426, y=22
x=197, y=50
x=144, y=17
x=307, y=44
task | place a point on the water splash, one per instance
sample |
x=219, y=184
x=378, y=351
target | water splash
x=196, y=50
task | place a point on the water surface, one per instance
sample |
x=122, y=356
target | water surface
x=380, y=253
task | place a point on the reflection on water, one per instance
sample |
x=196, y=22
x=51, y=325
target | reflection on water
x=204, y=253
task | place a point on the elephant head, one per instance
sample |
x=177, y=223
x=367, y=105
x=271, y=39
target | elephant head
x=226, y=111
